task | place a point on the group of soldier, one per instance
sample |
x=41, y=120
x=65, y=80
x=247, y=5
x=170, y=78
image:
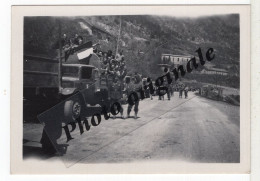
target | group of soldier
x=185, y=90
x=182, y=89
x=68, y=43
x=111, y=65
x=113, y=68
x=122, y=91
x=123, y=84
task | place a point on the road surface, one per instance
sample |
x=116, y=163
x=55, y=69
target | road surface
x=193, y=130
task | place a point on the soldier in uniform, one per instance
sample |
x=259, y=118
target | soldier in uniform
x=76, y=39
x=163, y=85
x=181, y=88
x=116, y=94
x=186, y=92
x=149, y=80
x=65, y=41
x=169, y=88
x=133, y=86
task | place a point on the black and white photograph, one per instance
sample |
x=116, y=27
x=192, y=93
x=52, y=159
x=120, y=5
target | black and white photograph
x=133, y=88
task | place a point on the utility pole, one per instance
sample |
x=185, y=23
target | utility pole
x=118, y=38
x=60, y=57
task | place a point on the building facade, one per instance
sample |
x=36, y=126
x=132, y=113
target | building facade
x=175, y=60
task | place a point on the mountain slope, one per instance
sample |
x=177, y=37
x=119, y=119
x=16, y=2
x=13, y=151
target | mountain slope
x=144, y=38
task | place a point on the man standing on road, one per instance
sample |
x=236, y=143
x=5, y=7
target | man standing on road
x=172, y=89
x=180, y=92
x=149, y=81
x=132, y=88
x=166, y=84
x=186, y=92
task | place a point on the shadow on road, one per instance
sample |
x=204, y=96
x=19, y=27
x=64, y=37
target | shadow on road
x=35, y=152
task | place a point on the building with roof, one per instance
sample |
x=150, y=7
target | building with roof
x=175, y=60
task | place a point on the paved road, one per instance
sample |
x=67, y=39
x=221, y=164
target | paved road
x=194, y=130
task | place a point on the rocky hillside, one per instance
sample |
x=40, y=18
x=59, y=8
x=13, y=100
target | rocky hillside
x=145, y=38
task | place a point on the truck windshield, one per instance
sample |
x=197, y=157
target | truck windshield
x=86, y=72
x=70, y=71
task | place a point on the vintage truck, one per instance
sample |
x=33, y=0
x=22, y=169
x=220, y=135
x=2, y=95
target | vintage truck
x=69, y=84
x=75, y=82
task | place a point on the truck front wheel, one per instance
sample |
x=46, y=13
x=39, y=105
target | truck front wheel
x=72, y=110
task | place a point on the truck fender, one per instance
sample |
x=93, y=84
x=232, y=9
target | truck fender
x=68, y=91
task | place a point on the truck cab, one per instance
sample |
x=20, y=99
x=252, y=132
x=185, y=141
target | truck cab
x=85, y=79
x=76, y=77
